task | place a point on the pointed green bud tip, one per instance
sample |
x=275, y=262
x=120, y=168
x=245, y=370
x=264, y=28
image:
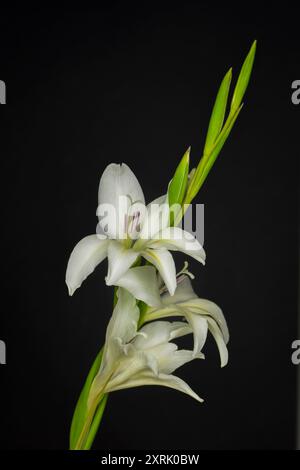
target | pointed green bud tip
x=178, y=184
x=252, y=50
x=243, y=79
x=186, y=156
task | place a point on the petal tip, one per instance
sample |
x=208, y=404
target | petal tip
x=71, y=289
x=202, y=260
x=224, y=360
x=172, y=291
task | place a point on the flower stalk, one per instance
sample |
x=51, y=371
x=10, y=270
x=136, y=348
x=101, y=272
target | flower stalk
x=138, y=241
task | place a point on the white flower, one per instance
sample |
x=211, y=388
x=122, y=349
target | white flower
x=134, y=358
x=127, y=233
x=201, y=314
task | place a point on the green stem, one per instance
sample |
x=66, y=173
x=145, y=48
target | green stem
x=91, y=424
x=86, y=421
x=80, y=444
x=96, y=423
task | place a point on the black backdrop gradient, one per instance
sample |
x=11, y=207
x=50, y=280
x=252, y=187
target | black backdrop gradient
x=135, y=83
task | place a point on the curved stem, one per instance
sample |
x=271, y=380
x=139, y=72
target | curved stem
x=86, y=427
x=96, y=422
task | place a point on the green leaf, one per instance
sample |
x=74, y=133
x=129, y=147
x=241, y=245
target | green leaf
x=203, y=169
x=218, y=113
x=81, y=407
x=178, y=184
x=218, y=147
x=216, y=121
x=243, y=80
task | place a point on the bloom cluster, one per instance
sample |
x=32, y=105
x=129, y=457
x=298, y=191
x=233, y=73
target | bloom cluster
x=139, y=346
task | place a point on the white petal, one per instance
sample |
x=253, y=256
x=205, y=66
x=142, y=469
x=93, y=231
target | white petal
x=156, y=313
x=176, y=239
x=199, y=327
x=159, y=200
x=179, y=329
x=118, y=181
x=207, y=307
x=216, y=332
x=120, y=259
x=156, y=218
x=123, y=323
x=87, y=254
x=159, y=332
x=184, y=292
x=134, y=365
x=113, y=220
x=164, y=263
x=113, y=351
x=176, y=359
x=117, y=366
x=163, y=354
x=165, y=380
x=141, y=282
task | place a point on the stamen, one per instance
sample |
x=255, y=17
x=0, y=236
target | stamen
x=185, y=271
x=133, y=223
x=179, y=277
x=163, y=290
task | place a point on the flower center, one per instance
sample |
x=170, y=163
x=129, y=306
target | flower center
x=132, y=224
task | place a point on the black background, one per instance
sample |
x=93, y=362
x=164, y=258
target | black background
x=135, y=83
